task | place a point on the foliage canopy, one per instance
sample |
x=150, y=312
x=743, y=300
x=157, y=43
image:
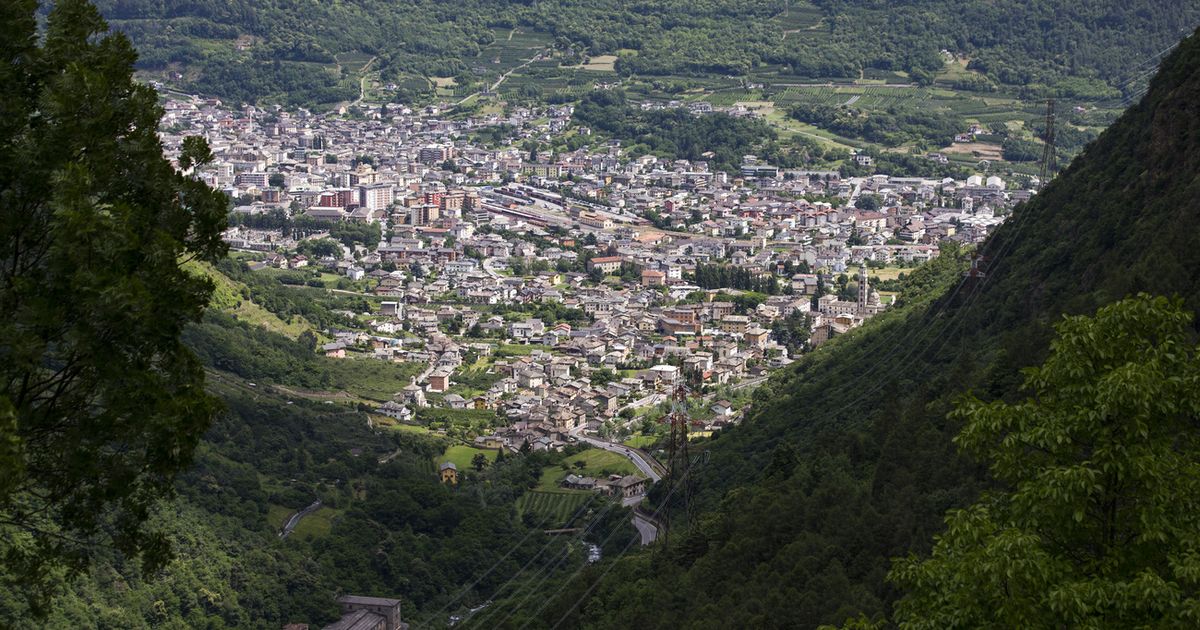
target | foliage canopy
x=100, y=402
x=1097, y=521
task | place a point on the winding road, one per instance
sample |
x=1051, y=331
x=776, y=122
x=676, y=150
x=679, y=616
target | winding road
x=646, y=528
x=295, y=519
x=647, y=466
x=644, y=463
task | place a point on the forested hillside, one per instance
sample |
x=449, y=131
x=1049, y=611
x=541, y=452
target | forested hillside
x=847, y=460
x=311, y=53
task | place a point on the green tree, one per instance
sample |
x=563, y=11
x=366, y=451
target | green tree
x=479, y=462
x=100, y=402
x=320, y=248
x=603, y=377
x=308, y=339
x=1097, y=523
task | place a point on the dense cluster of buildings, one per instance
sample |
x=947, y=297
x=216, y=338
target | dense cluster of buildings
x=471, y=228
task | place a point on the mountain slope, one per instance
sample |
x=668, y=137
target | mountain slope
x=847, y=461
x=311, y=53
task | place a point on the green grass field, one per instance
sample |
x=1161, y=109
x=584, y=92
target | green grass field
x=597, y=463
x=888, y=273
x=371, y=378
x=227, y=296
x=640, y=441
x=277, y=515
x=462, y=455
x=438, y=414
x=555, y=507
x=317, y=524
x=409, y=428
x=517, y=349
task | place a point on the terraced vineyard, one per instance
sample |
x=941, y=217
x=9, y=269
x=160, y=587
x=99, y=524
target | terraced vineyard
x=554, y=507
x=867, y=97
x=511, y=49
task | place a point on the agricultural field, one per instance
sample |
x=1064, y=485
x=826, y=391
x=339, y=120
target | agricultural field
x=862, y=96
x=887, y=273
x=353, y=62
x=511, y=48
x=518, y=349
x=977, y=150
x=474, y=380
x=599, y=63
x=373, y=379
x=552, y=508
x=797, y=17
x=384, y=421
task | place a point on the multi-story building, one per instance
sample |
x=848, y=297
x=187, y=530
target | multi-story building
x=259, y=180
x=735, y=324
x=376, y=197
x=338, y=198
x=423, y=214
x=434, y=153
x=606, y=264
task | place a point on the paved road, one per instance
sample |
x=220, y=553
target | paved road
x=487, y=268
x=637, y=458
x=648, y=530
x=295, y=519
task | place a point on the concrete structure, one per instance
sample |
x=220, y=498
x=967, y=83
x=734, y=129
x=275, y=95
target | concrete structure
x=368, y=613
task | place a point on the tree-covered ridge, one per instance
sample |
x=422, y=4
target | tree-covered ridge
x=719, y=139
x=101, y=404
x=391, y=528
x=847, y=460
x=1095, y=520
x=290, y=51
x=1077, y=47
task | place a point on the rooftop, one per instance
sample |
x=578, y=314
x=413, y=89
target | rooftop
x=362, y=600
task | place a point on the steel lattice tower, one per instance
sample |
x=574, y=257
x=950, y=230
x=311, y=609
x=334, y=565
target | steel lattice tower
x=678, y=460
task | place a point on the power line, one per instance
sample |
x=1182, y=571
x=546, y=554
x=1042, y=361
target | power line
x=958, y=319
x=978, y=282
x=608, y=568
x=531, y=587
x=1048, y=165
x=975, y=292
x=678, y=460
x=466, y=589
